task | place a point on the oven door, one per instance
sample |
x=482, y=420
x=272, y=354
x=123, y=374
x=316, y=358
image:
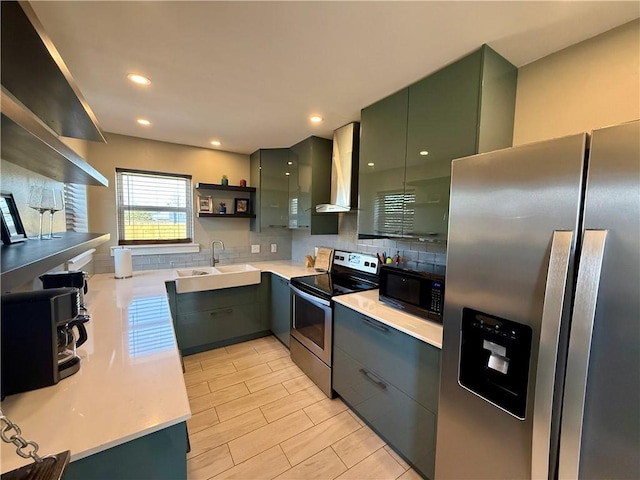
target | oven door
x=312, y=323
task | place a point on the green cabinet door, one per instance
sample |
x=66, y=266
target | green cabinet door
x=280, y=309
x=383, y=138
x=269, y=169
x=460, y=110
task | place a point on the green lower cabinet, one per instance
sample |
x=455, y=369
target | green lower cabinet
x=213, y=318
x=280, y=309
x=391, y=380
x=158, y=456
x=218, y=325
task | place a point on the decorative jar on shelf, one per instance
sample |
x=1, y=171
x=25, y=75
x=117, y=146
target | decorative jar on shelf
x=225, y=180
x=222, y=208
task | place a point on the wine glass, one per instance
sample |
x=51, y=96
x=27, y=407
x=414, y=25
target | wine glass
x=56, y=206
x=48, y=202
x=35, y=202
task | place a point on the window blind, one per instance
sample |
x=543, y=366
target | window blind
x=394, y=212
x=153, y=207
x=75, y=208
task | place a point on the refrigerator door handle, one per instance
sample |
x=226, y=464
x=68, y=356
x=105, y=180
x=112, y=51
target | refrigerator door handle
x=552, y=309
x=582, y=320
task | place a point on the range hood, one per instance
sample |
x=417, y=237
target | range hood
x=344, y=170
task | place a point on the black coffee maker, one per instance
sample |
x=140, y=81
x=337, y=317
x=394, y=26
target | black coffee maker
x=38, y=338
x=71, y=278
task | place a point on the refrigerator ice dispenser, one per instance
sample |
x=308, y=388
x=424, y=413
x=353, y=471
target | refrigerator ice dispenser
x=494, y=360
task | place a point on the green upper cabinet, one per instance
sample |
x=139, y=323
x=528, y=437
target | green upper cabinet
x=310, y=185
x=383, y=140
x=269, y=169
x=460, y=110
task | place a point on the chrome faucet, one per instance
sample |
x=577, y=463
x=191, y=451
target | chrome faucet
x=213, y=252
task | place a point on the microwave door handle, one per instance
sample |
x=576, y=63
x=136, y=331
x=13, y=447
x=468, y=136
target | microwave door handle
x=584, y=311
x=310, y=298
x=553, y=306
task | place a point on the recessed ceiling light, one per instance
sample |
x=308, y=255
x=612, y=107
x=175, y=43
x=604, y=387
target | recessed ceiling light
x=144, y=121
x=287, y=174
x=289, y=163
x=424, y=153
x=216, y=143
x=139, y=79
x=370, y=164
x=315, y=118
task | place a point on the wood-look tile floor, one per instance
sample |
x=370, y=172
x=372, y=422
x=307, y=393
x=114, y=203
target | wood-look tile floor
x=256, y=415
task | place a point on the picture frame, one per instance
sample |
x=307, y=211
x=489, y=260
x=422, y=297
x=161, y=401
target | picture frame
x=205, y=204
x=241, y=205
x=11, y=229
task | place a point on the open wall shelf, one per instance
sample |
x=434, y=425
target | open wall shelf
x=22, y=262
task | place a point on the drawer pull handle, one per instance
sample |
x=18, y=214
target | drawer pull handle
x=374, y=324
x=221, y=312
x=371, y=377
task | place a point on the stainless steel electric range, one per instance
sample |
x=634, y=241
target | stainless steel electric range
x=312, y=311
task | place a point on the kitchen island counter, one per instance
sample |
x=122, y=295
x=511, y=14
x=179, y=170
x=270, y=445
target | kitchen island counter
x=130, y=382
x=368, y=304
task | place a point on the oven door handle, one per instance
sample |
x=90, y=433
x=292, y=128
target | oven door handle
x=309, y=297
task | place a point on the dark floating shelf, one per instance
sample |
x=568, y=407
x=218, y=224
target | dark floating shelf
x=229, y=188
x=226, y=215
x=22, y=262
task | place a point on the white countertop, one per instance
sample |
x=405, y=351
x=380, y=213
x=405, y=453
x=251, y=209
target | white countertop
x=127, y=387
x=368, y=304
x=287, y=269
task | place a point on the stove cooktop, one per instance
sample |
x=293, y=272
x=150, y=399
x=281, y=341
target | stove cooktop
x=350, y=273
x=332, y=284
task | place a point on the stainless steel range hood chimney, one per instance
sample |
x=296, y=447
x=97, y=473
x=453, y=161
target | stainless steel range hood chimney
x=344, y=170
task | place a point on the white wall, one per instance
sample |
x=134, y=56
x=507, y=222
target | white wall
x=592, y=84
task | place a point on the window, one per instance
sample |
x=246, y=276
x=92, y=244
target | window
x=75, y=208
x=153, y=207
x=394, y=212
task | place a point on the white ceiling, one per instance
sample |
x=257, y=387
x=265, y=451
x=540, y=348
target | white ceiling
x=251, y=73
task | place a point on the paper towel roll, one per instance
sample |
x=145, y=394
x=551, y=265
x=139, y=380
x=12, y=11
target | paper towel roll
x=122, y=260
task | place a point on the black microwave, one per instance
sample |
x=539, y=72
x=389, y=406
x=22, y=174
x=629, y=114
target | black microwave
x=417, y=292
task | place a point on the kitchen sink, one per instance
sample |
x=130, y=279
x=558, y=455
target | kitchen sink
x=244, y=267
x=213, y=278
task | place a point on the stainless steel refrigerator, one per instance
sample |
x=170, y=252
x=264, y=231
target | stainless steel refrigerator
x=541, y=348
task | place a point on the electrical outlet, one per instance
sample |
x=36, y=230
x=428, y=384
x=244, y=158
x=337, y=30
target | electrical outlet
x=274, y=248
x=255, y=248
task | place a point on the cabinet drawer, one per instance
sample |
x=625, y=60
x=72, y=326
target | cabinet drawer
x=211, y=326
x=212, y=299
x=405, y=424
x=413, y=365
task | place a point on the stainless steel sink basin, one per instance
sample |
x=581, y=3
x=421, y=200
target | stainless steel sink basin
x=213, y=278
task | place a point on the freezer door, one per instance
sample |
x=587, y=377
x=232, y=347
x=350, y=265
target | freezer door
x=511, y=211
x=601, y=409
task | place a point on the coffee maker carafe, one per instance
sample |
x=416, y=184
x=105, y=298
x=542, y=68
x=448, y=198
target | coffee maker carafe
x=68, y=360
x=37, y=338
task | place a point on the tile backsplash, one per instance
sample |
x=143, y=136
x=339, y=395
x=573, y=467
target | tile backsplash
x=294, y=245
x=103, y=263
x=413, y=252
